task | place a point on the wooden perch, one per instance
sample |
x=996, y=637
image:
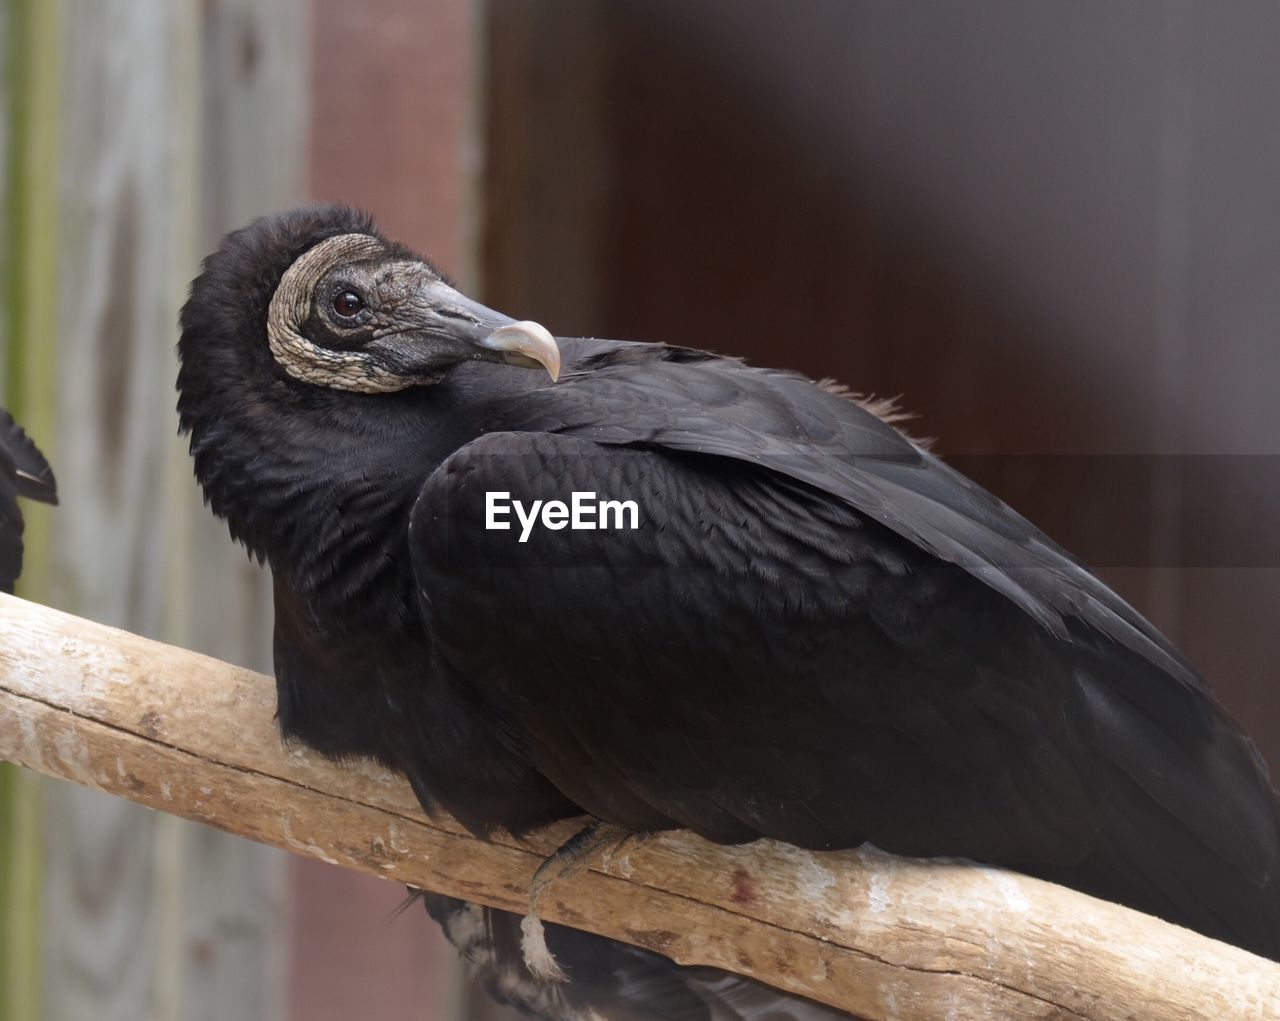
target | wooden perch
x=879, y=936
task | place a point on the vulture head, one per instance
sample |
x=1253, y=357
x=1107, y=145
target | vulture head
x=319, y=297
x=310, y=348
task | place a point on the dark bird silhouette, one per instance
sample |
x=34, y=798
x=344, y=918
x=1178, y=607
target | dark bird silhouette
x=23, y=472
x=816, y=632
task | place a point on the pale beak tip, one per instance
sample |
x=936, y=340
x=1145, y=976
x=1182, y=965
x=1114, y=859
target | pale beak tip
x=531, y=340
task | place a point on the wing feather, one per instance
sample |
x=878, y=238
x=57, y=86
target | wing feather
x=821, y=634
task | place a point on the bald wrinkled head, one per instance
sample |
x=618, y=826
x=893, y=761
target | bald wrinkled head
x=319, y=296
x=354, y=314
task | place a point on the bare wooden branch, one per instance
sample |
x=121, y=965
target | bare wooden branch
x=880, y=936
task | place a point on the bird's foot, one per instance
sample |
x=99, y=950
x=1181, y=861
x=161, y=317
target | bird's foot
x=598, y=841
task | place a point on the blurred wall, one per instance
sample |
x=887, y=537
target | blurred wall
x=139, y=132
x=392, y=131
x=1053, y=228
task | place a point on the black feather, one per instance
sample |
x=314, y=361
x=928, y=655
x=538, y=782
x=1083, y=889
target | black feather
x=23, y=472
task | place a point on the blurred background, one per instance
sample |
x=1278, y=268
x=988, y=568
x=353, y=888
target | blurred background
x=1053, y=228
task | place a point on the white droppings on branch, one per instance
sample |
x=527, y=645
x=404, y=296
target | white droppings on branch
x=1013, y=897
x=311, y=850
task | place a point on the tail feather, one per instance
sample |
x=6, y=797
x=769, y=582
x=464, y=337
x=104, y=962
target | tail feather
x=1191, y=827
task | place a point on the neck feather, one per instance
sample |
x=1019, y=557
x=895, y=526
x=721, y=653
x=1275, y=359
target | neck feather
x=323, y=495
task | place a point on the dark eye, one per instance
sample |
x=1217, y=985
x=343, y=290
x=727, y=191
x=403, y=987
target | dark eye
x=348, y=304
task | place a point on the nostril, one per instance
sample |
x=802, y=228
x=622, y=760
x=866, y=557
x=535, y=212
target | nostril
x=445, y=312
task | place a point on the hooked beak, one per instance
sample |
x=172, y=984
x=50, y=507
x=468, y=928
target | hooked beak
x=526, y=343
x=487, y=335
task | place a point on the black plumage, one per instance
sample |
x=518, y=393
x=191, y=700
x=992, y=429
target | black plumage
x=23, y=472
x=819, y=632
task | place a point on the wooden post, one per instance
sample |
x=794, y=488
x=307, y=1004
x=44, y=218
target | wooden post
x=880, y=936
x=28, y=273
x=146, y=130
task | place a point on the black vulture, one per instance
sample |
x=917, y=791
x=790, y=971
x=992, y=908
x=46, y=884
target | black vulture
x=23, y=472
x=796, y=623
